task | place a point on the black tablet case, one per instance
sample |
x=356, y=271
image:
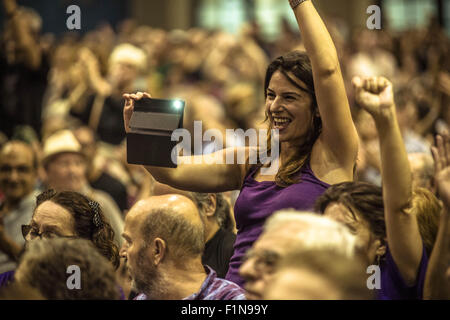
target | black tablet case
x=151, y=126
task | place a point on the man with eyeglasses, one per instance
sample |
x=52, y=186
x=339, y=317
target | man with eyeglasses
x=18, y=177
x=287, y=232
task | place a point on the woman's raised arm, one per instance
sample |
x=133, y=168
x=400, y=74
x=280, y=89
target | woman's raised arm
x=338, y=131
x=375, y=95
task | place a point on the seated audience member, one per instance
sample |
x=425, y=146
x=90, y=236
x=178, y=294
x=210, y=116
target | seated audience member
x=287, y=231
x=97, y=176
x=18, y=177
x=69, y=214
x=437, y=281
x=385, y=223
x=164, y=243
x=215, y=212
x=48, y=266
x=318, y=275
x=216, y=215
x=422, y=170
x=65, y=168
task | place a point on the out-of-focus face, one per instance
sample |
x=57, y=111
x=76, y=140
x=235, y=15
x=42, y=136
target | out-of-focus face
x=357, y=226
x=66, y=172
x=299, y=284
x=17, y=172
x=289, y=108
x=122, y=74
x=87, y=142
x=260, y=260
x=407, y=116
x=51, y=220
x=421, y=177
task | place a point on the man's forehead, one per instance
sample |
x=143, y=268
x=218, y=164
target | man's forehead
x=272, y=241
x=16, y=153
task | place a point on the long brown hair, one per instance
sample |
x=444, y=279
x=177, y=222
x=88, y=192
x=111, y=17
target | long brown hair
x=298, y=64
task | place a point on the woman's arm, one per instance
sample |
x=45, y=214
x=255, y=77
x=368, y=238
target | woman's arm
x=338, y=131
x=405, y=243
x=437, y=281
x=200, y=173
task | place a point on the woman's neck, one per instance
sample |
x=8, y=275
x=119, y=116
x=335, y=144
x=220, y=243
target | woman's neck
x=287, y=151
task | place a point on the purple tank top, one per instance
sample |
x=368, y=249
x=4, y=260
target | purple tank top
x=258, y=200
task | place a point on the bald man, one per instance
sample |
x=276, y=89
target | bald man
x=163, y=245
x=18, y=176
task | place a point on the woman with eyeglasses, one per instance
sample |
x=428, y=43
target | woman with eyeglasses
x=69, y=214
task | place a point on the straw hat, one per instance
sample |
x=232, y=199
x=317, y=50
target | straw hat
x=60, y=142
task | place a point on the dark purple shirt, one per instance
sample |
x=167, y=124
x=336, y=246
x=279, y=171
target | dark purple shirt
x=213, y=288
x=258, y=200
x=393, y=286
x=6, y=278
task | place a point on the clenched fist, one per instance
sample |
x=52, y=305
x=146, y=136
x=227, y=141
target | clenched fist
x=375, y=95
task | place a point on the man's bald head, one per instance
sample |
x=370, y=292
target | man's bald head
x=19, y=148
x=173, y=218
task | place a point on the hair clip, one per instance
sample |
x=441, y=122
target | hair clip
x=95, y=208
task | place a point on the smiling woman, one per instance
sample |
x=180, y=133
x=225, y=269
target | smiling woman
x=307, y=103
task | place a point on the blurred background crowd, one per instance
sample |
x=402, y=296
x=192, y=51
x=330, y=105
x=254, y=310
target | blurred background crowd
x=62, y=91
x=75, y=80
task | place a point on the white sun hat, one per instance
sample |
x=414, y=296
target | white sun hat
x=62, y=141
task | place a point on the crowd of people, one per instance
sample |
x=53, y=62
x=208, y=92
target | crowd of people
x=363, y=182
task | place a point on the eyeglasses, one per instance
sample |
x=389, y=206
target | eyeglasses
x=31, y=233
x=20, y=169
x=264, y=261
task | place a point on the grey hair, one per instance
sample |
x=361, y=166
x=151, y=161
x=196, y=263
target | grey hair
x=222, y=213
x=184, y=238
x=318, y=232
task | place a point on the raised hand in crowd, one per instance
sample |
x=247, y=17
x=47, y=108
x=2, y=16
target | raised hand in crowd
x=375, y=95
x=437, y=283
